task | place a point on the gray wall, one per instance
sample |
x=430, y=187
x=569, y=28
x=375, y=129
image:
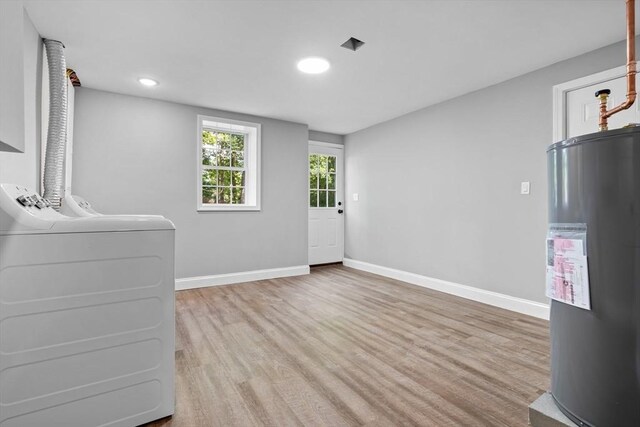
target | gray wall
x=137, y=155
x=315, y=135
x=24, y=168
x=439, y=188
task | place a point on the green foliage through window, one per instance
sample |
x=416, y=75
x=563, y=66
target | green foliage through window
x=223, y=164
x=322, y=181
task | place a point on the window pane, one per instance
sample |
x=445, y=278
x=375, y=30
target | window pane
x=313, y=198
x=224, y=178
x=209, y=177
x=331, y=203
x=224, y=139
x=332, y=163
x=237, y=142
x=209, y=137
x=323, y=181
x=313, y=181
x=209, y=195
x=238, y=195
x=237, y=178
x=322, y=199
x=224, y=196
x=224, y=158
x=237, y=159
x=208, y=155
x=331, y=181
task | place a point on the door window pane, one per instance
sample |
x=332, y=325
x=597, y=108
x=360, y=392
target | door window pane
x=331, y=202
x=322, y=176
x=331, y=164
x=313, y=163
x=322, y=199
x=331, y=181
x=323, y=181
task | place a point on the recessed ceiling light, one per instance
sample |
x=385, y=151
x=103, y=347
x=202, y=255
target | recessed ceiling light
x=147, y=82
x=313, y=65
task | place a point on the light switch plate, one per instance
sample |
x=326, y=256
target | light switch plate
x=356, y=197
x=525, y=187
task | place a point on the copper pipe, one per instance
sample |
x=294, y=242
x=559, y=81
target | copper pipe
x=631, y=71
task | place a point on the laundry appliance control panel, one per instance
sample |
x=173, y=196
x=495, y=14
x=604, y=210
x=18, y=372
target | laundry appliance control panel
x=33, y=200
x=22, y=208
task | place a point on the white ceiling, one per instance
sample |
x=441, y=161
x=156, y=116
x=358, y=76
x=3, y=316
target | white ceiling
x=241, y=55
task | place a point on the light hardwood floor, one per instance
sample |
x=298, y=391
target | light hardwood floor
x=340, y=347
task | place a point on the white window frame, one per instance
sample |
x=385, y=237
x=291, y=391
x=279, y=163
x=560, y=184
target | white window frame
x=252, y=132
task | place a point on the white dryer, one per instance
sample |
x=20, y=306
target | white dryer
x=86, y=316
x=73, y=205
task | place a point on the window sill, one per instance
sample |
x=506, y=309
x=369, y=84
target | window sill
x=228, y=208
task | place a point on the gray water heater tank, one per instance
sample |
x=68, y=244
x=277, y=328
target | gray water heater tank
x=595, y=354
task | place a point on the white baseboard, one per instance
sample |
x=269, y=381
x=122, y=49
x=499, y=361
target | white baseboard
x=519, y=305
x=243, y=276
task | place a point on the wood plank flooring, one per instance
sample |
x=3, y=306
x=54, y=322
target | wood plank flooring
x=341, y=347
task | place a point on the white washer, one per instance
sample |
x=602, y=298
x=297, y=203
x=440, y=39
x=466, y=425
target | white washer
x=86, y=316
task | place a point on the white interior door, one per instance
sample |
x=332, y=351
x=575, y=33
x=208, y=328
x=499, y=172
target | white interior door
x=326, y=203
x=583, y=108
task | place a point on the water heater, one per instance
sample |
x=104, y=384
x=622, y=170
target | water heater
x=594, y=180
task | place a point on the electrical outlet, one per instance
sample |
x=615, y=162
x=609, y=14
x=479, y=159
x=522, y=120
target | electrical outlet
x=356, y=197
x=525, y=187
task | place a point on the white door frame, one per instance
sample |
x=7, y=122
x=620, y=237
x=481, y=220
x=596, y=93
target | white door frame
x=327, y=144
x=560, y=97
x=340, y=191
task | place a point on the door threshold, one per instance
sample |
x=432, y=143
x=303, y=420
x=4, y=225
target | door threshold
x=326, y=264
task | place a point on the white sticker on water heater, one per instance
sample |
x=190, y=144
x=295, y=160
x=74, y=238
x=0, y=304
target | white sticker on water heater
x=567, y=265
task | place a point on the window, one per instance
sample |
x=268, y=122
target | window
x=228, y=164
x=322, y=181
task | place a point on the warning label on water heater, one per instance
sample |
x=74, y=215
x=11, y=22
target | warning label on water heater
x=567, y=267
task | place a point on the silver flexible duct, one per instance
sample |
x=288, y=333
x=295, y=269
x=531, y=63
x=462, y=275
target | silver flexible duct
x=53, y=181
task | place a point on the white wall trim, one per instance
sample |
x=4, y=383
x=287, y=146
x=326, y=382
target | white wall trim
x=508, y=302
x=326, y=144
x=560, y=96
x=241, y=277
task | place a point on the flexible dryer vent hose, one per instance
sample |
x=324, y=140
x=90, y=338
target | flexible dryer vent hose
x=53, y=181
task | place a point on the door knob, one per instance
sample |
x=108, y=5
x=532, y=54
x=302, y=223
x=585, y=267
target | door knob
x=340, y=211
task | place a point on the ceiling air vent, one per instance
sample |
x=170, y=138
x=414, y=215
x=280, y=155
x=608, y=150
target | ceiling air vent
x=352, y=44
